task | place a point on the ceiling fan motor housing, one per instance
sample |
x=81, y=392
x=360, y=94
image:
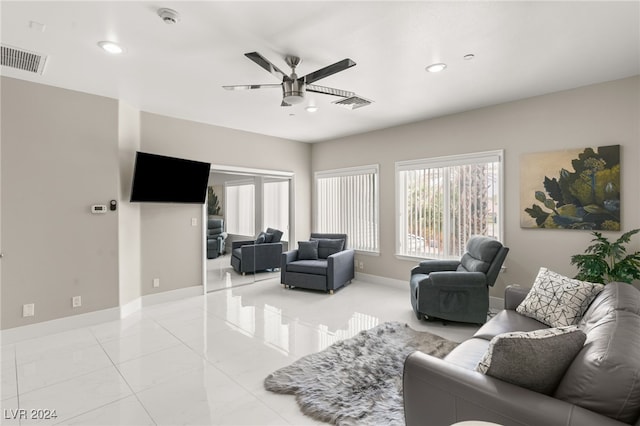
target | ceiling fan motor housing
x=293, y=91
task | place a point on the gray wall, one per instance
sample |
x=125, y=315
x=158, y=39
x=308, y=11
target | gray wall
x=603, y=114
x=59, y=156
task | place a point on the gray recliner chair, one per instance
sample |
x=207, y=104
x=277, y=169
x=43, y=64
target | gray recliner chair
x=458, y=290
x=216, y=238
x=327, y=269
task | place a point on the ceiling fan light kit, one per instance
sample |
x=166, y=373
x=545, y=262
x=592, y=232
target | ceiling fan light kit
x=294, y=87
x=293, y=91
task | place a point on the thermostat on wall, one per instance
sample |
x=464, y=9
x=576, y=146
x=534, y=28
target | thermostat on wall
x=98, y=209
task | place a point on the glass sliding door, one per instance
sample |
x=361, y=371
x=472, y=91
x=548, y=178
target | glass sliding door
x=249, y=203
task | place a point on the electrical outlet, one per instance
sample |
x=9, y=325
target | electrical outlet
x=28, y=310
x=361, y=265
x=156, y=282
x=76, y=301
x=194, y=221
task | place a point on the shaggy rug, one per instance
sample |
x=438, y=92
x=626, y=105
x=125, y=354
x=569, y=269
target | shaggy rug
x=357, y=381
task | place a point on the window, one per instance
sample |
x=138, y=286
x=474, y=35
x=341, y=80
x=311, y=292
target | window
x=239, y=207
x=443, y=201
x=347, y=203
x=276, y=206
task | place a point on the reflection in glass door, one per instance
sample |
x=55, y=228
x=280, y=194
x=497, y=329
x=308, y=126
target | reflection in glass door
x=249, y=204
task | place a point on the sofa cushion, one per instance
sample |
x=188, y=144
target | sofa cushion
x=328, y=246
x=316, y=267
x=307, y=250
x=605, y=375
x=261, y=238
x=468, y=353
x=535, y=360
x=507, y=321
x=615, y=296
x=556, y=300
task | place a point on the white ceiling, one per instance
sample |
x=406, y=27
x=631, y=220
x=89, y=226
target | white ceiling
x=521, y=49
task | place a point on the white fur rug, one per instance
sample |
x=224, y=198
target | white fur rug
x=357, y=381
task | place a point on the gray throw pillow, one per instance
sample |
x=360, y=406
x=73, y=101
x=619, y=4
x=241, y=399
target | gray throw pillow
x=328, y=246
x=556, y=300
x=536, y=360
x=307, y=250
x=261, y=238
x=276, y=235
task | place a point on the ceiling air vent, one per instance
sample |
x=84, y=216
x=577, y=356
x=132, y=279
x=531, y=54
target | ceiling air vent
x=353, y=102
x=21, y=59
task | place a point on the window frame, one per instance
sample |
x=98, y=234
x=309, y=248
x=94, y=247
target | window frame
x=352, y=171
x=446, y=161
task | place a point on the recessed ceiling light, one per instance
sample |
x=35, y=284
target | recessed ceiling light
x=436, y=67
x=469, y=57
x=311, y=108
x=111, y=47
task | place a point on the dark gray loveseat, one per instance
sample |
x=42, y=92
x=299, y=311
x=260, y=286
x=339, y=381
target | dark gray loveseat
x=601, y=387
x=332, y=269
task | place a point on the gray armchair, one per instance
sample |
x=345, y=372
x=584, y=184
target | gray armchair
x=328, y=268
x=216, y=238
x=257, y=255
x=458, y=290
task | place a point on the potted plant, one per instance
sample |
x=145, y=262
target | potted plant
x=605, y=261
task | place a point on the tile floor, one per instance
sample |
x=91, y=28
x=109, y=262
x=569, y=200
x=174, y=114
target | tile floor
x=196, y=361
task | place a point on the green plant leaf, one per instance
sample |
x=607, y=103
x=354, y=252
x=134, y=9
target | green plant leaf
x=540, y=196
x=605, y=261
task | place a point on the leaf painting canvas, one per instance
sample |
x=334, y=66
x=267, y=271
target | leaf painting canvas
x=571, y=189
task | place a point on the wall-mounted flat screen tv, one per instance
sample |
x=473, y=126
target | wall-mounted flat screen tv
x=161, y=179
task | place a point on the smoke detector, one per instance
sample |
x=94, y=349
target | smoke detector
x=169, y=16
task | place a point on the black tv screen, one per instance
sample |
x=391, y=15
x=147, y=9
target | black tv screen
x=161, y=179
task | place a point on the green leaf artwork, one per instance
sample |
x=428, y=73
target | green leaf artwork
x=586, y=198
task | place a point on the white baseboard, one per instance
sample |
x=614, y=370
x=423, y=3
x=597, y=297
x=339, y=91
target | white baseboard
x=60, y=325
x=172, y=295
x=376, y=279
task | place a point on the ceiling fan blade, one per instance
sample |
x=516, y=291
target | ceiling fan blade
x=267, y=65
x=252, y=86
x=329, y=91
x=328, y=70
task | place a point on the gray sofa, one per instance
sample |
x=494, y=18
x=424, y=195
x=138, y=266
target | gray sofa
x=601, y=386
x=332, y=267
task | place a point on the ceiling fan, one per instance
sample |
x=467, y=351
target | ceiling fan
x=294, y=87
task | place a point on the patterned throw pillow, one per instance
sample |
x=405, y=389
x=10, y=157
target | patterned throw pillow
x=536, y=360
x=556, y=300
